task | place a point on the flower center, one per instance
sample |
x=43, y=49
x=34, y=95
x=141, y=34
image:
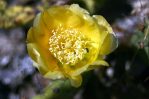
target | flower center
x=68, y=45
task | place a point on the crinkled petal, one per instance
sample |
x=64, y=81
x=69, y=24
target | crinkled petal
x=102, y=22
x=109, y=41
x=61, y=16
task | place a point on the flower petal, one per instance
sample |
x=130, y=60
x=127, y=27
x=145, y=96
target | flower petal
x=45, y=63
x=97, y=64
x=54, y=75
x=109, y=39
x=109, y=44
x=76, y=80
x=100, y=62
x=102, y=22
x=35, y=54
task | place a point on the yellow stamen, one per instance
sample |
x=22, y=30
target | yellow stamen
x=68, y=45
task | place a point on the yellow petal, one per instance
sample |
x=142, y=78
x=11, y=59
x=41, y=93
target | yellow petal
x=54, y=75
x=61, y=16
x=41, y=60
x=79, y=70
x=109, y=44
x=35, y=54
x=30, y=37
x=97, y=64
x=76, y=80
x=102, y=22
x=78, y=10
x=109, y=40
x=100, y=62
x=40, y=32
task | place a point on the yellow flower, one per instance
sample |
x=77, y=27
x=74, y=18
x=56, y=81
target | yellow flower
x=66, y=41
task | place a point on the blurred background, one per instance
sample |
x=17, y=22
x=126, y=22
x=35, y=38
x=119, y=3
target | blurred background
x=128, y=74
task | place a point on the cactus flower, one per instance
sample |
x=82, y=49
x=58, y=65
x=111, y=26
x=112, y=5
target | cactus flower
x=66, y=41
